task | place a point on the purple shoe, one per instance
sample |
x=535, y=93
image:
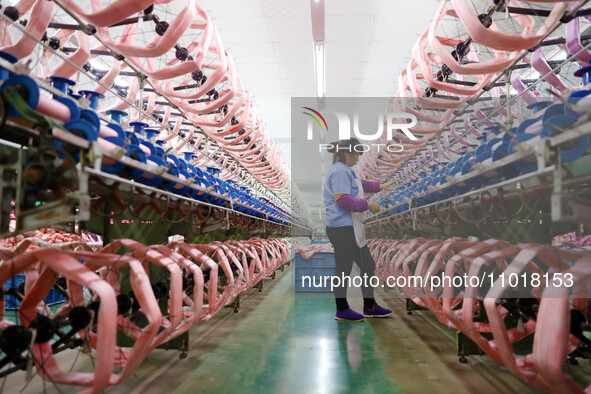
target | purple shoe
x=348, y=315
x=377, y=311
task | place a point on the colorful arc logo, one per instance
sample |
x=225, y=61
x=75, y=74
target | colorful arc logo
x=316, y=118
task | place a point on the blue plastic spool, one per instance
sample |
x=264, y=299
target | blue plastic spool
x=468, y=152
x=507, y=171
x=183, y=165
x=496, y=130
x=572, y=150
x=200, y=180
x=215, y=200
x=136, y=153
x=80, y=128
x=213, y=171
x=428, y=197
x=433, y=182
x=482, y=153
x=93, y=97
x=139, y=127
x=420, y=187
x=557, y=121
x=440, y=180
x=472, y=183
x=538, y=106
x=245, y=198
x=116, y=115
x=459, y=187
x=174, y=159
x=241, y=199
x=171, y=185
x=132, y=138
x=72, y=106
x=483, y=138
x=85, y=129
x=28, y=89
x=475, y=182
x=253, y=204
x=193, y=170
x=120, y=132
x=117, y=167
x=150, y=146
x=91, y=116
x=230, y=186
x=4, y=73
x=523, y=126
x=190, y=168
x=524, y=166
x=159, y=149
x=214, y=183
x=447, y=170
x=574, y=98
x=151, y=133
x=246, y=201
x=261, y=207
x=492, y=176
x=140, y=175
x=553, y=110
x=507, y=137
x=175, y=170
x=61, y=83
x=585, y=75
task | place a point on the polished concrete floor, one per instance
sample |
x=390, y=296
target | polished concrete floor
x=285, y=343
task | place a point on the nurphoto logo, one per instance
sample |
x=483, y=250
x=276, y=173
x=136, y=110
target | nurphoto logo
x=393, y=121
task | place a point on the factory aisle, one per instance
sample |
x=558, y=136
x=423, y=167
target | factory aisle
x=286, y=344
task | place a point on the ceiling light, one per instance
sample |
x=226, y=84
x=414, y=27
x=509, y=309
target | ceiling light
x=320, y=69
x=317, y=13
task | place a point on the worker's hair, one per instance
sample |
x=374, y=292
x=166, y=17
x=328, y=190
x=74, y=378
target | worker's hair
x=339, y=148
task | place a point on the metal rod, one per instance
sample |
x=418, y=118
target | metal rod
x=538, y=12
x=127, y=21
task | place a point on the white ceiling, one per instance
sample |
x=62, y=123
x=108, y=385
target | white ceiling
x=368, y=43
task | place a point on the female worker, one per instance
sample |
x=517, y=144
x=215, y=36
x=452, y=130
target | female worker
x=345, y=207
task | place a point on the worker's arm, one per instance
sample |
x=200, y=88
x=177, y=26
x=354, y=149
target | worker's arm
x=370, y=187
x=351, y=204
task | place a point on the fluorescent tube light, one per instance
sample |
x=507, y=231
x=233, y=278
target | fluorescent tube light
x=320, y=69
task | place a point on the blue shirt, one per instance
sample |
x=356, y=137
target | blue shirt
x=340, y=179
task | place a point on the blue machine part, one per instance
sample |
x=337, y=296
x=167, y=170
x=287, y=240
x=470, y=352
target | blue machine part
x=93, y=97
x=117, y=167
x=120, y=132
x=72, y=106
x=27, y=87
x=116, y=115
x=61, y=83
x=91, y=116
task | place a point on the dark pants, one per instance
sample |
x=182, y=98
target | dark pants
x=345, y=252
